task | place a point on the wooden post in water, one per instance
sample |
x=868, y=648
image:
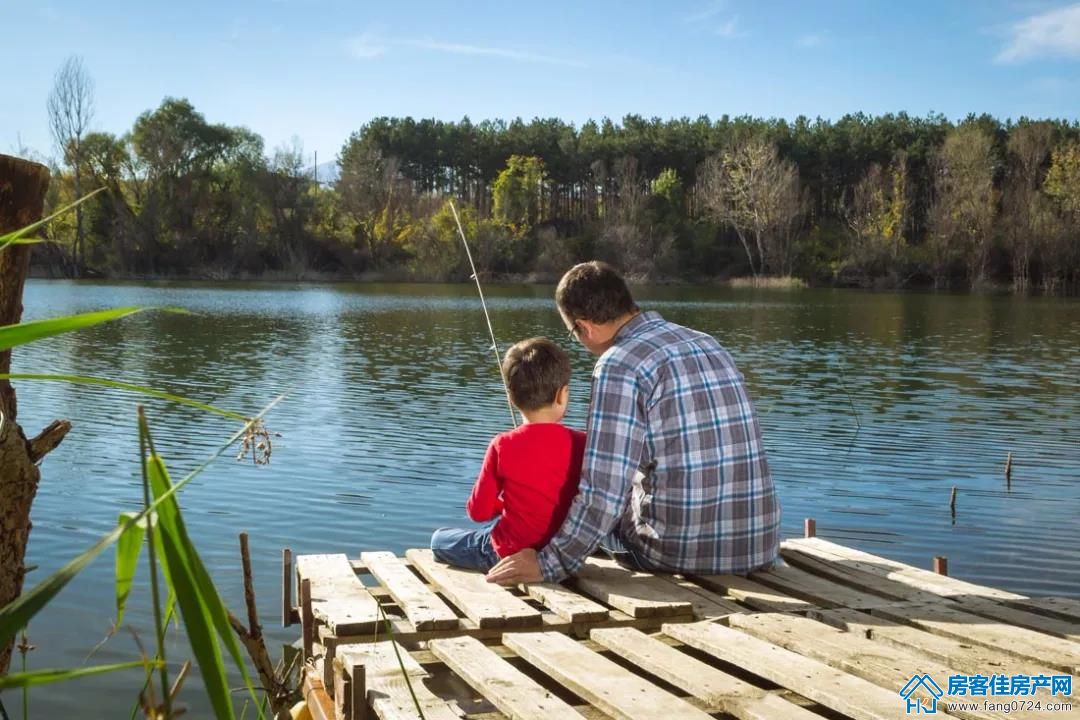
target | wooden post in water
x=1008, y=469
x=952, y=502
x=307, y=619
x=941, y=565
x=809, y=528
x=286, y=587
x=22, y=198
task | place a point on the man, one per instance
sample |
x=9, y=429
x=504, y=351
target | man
x=675, y=477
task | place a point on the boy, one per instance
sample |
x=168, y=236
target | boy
x=530, y=474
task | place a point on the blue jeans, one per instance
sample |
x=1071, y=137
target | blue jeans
x=469, y=549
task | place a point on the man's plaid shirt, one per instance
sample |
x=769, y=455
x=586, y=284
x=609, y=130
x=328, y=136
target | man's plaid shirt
x=673, y=459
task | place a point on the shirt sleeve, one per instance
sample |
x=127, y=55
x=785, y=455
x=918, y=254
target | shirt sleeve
x=613, y=448
x=484, y=502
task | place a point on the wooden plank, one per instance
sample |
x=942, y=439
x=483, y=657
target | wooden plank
x=421, y=606
x=706, y=604
x=717, y=691
x=1019, y=642
x=1065, y=608
x=389, y=677
x=599, y=681
x=753, y=594
x=318, y=700
x=813, y=679
x=338, y=598
x=637, y=594
x=885, y=666
x=962, y=656
x=846, y=573
x=486, y=604
x=893, y=570
x=506, y=687
x=1021, y=618
x=815, y=589
x=566, y=603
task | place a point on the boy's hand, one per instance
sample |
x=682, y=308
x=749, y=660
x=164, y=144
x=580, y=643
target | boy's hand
x=521, y=567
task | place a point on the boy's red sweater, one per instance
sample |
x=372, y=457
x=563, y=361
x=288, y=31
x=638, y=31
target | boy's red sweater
x=529, y=477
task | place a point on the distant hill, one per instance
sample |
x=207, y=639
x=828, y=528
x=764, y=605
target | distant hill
x=328, y=172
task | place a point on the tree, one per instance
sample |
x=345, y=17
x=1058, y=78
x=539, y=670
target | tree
x=518, y=190
x=757, y=193
x=1062, y=186
x=1026, y=215
x=71, y=109
x=875, y=212
x=965, y=203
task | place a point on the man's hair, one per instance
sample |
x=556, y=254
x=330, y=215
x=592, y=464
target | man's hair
x=535, y=370
x=594, y=291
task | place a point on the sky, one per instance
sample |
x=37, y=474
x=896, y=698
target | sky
x=317, y=70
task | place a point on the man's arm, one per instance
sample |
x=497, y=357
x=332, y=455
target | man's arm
x=484, y=502
x=613, y=451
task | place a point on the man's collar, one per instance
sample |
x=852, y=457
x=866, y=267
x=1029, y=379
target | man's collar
x=632, y=326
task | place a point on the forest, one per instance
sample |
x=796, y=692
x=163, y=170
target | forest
x=884, y=201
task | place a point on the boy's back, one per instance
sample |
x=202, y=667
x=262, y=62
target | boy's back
x=529, y=478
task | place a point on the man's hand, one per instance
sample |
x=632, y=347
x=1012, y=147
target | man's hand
x=521, y=567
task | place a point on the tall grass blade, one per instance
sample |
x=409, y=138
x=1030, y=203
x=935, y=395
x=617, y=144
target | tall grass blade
x=43, y=677
x=205, y=617
x=129, y=387
x=18, y=613
x=128, y=548
x=22, y=333
x=13, y=238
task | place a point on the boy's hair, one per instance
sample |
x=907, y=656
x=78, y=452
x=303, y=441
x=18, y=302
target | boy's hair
x=535, y=370
x=594, y=291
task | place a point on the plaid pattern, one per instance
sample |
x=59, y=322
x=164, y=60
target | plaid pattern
x=674, y=462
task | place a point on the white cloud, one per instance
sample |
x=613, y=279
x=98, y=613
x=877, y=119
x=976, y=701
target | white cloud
x=729, y=29
x=811, y=40
x=506, y=53
x=709, y=11
x=366, y=46
x=1048, y=34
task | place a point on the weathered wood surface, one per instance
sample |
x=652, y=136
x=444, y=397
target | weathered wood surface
x=506, y=687
x=599, y=681
x=637, y=594
x=716, y=690
x=486, y=604
x=566, y=603
x=752, y=594
x=393, y=678
x=421, y=606
x=847, y=694
x=925, y=580
x=338, y=598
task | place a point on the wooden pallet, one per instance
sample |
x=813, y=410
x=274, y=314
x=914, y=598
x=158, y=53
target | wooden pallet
x=833, y=632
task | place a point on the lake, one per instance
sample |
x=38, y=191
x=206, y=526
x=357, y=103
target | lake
x=873, y=405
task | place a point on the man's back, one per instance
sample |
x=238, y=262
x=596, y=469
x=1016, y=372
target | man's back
x=673, y=461
x=708, y=504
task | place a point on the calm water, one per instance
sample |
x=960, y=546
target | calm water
x=394, y=395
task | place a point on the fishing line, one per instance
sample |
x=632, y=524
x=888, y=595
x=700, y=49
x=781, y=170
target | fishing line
x=491, y=331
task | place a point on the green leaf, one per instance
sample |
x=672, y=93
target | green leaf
x=13, y=238
x=42, y=677
x=17, y=614
x=128, y=548
x=22, y=333
x=205, y=617
x=140, y=389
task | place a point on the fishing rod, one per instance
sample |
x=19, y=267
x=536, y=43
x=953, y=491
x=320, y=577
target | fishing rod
x=491, y=331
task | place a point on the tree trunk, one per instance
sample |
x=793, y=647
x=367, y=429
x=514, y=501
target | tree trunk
x=22, y=196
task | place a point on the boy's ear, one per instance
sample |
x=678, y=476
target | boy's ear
x=563, y=396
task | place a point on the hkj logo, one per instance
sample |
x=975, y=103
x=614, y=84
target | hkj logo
x=921, y=695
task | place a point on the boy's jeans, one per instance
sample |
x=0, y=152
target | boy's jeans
x=469, y=549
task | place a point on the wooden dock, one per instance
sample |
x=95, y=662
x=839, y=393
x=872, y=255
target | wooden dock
x=832, y=633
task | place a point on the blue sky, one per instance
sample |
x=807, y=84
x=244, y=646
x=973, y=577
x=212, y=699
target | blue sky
x=318, y=69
